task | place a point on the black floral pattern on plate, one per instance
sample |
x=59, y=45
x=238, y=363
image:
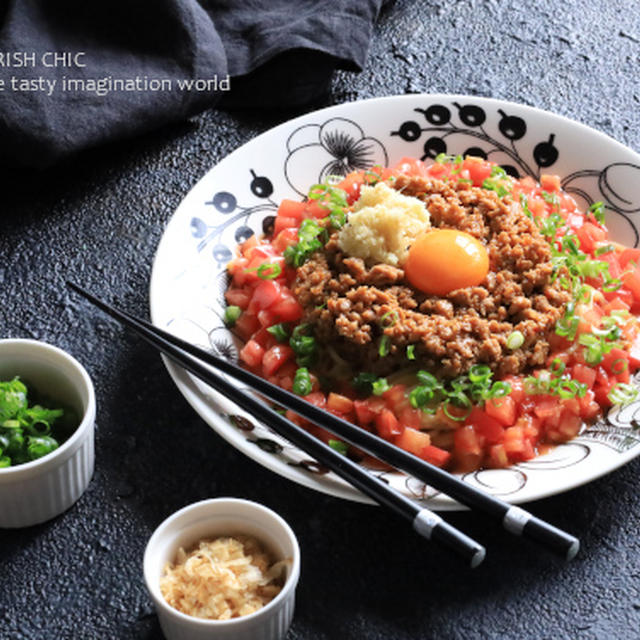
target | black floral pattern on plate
x=471, y=138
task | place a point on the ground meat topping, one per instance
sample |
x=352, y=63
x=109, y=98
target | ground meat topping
x=352, y=307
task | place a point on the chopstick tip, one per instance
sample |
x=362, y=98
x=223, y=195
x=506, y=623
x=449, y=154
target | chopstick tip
x=478, y=557
x=573, y=549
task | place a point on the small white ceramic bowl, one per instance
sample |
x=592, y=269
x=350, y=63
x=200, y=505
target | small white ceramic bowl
x=37, y=491
x=217, y=517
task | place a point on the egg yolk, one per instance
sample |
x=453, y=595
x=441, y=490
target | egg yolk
x=442, y=260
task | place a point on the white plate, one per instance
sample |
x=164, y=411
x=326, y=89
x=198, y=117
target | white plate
x=230, y=202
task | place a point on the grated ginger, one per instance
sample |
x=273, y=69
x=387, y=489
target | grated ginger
x=222, y=579
x=383, y=225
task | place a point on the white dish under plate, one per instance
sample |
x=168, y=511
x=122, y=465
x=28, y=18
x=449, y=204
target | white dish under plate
x=230, y=202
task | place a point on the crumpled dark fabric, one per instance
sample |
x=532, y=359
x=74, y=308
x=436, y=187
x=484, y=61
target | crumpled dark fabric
x=262, y=53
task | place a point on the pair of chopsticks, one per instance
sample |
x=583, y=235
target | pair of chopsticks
x=428, y=524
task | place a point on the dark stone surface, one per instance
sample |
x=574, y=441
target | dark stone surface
x=98, y=219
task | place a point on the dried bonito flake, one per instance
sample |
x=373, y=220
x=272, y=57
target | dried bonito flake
x=223, y=578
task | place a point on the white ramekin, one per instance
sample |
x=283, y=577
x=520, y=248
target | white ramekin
x=210, y=518
x=37, y=491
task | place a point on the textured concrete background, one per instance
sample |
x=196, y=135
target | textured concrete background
x=99, y=218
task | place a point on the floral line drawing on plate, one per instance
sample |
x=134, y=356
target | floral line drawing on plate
x=226, y=203
x=335, y=148
x=610, y=183
x=473, y=117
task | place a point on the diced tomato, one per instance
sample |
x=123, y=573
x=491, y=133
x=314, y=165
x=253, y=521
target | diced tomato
x=497, y=458
x=292, y=209
x=584, y=374
x=338, y=402
x=237, y=297
x=266, y=293
x=517, y=447
x=237, y=264
x=435, y=455
x=629, y=255
x=589, y=408
x=620, y=300
x=631, y=280
x=317, y=399
x=545, y=406
x=412, y=167
x=517, y=388
x=264, y=338
x=316, y=209
x=589, y=235
x=246, y=325
x=259, y=253
x=248, y=245
x=467, y=449
x=485, y=425
x=413, y=441
x=395, y=397
x=266, y=318
x=283, y=223
x=601, y=391
x=502, y=409
x=614, y=265
x=410, y=417
x=364, y=413
x=252, y=353
x=531, y=426
x=568, y=427
x=550, y=182
x=285, y=238
x=575, y=220
x=615, y=362
x=479, y=170
x=634, y=353
x=387, y=425
x=287, y=309
x=275, y=357
x=352, y=185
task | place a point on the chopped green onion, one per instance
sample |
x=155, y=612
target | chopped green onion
x=557, y=367
x=622, y=394
x=231, y=315
x=269, y=270
x=339, y=446
x=608, y=248
x=279, y=331
x=302, y=382
x=597, y=209
x=499, y=389
x=479, y=373
x=411, y=352
x=453, y=416
x=420, y=396
x=383, y=349
x=379, y=386
x=303, y=345
x=619, y=365
x=25, y=431
x=515, y=340
x=363, y=383
x=389, y=319
x=428, y=379
x=308, y=243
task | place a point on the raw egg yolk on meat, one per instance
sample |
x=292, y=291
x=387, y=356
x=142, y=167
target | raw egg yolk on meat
x=442, y=260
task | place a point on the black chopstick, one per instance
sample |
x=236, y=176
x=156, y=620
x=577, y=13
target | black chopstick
x=513, y=518
x=425, y=522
